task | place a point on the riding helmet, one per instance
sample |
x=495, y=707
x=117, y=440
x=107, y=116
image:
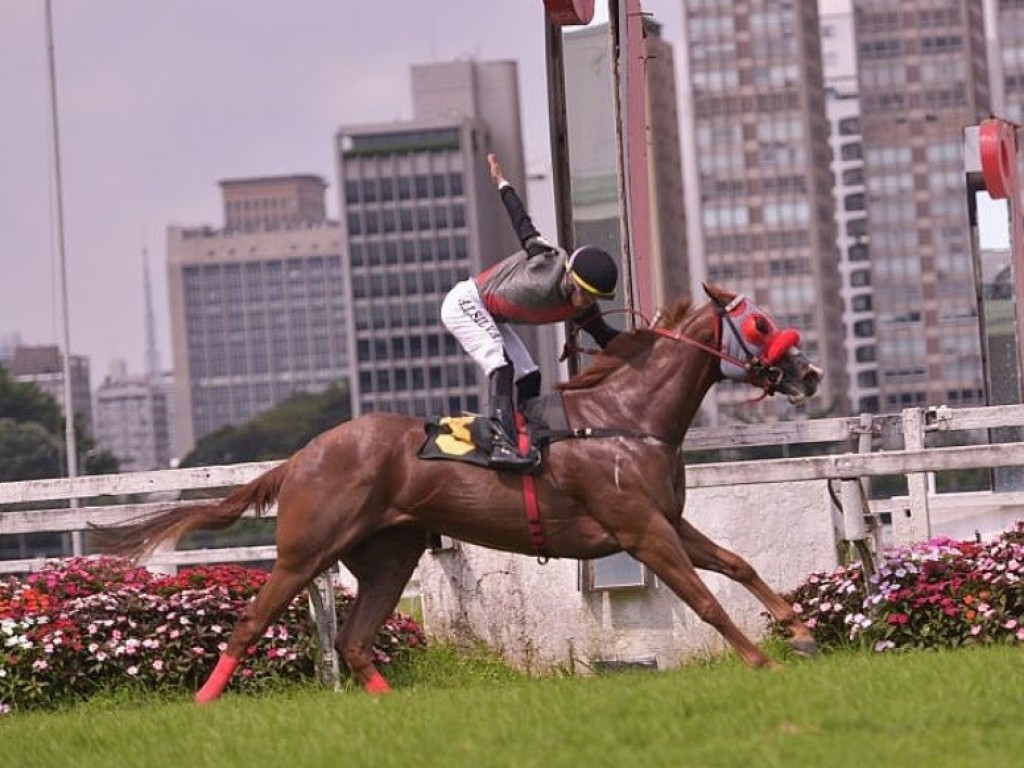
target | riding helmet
x=594, y=271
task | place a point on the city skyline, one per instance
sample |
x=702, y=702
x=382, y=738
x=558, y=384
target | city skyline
x=149, y=125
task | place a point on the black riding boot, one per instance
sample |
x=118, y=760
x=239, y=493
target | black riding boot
x=504, y=450
x=527, y=388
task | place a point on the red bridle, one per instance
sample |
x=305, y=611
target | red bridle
x=755, y=329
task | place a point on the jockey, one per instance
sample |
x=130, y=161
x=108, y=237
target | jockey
x=537, y=285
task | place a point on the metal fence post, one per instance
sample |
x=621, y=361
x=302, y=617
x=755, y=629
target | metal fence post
x=323, y=608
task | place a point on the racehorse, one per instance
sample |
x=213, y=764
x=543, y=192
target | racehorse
x=358, y=493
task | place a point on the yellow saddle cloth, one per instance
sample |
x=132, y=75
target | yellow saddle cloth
x=458, y=438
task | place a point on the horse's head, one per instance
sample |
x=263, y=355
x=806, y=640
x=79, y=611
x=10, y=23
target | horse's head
x=755, y=350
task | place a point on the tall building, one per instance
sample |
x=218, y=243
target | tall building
x=419, y=212
x=44, y=367
x=761, y=168
x=593, y=155
x=8, y=343
x=1004, y=24
x=1004, y=34
x=922, y=78
x=839, y=57
x=258, y=308
x=132, y=420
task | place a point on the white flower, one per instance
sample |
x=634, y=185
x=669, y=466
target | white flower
x=133, y=670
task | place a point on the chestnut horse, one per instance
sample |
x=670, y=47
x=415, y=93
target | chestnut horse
x=358, y=493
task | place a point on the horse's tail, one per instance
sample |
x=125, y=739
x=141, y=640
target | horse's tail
x=140, y=536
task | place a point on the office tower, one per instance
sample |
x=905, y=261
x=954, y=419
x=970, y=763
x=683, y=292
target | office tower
x=761, y=165
x=258, y=308
x=132, y=420
x=842, y=102
x=922, y=78
x=1004, y=37
x=8, y=343
x=593, y=154
x=44, y=367
x=419, y=213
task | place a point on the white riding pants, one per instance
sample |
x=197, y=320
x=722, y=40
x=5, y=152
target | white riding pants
x=488, y=342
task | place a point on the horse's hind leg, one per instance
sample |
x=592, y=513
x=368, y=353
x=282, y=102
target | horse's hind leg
x=709, y=556
x=286, y=580
x=383, y=565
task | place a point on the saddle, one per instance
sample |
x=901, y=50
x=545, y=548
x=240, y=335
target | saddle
x=467, y=438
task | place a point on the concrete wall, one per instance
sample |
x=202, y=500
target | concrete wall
x=537, y=617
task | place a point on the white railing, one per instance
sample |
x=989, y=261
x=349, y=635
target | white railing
x=853, y=522
x=912, y=523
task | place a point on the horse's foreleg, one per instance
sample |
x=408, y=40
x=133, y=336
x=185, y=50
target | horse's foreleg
x=383, y=565
x=709, y=556
x=663, y=553
x=284, y=584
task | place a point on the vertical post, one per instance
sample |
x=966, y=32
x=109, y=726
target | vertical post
x=322, y=606
x=631, y=91
x=853, y=510
x=914, y=526
x=616, y=43
x=70, y=443
x=559, y=13
x=990, y=165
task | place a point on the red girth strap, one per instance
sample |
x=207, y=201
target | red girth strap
x=533, y=521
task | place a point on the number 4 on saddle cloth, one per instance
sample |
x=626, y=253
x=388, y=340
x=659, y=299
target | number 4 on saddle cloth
x=467, y=438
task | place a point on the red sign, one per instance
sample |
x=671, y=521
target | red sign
x=567, y=13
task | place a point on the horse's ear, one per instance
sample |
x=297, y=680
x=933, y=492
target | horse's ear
x=717, y=294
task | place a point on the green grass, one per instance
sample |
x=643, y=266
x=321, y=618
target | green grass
x=935, y=709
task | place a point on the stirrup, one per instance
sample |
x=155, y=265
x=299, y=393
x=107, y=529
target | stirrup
x=503, y=458
x=504, y=454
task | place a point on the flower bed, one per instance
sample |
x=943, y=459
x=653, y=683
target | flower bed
x=943, y=593
x=85, y=625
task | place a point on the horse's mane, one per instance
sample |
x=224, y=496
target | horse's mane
x=627, y=346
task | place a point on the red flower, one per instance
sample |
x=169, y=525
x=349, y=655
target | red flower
x=898, y=618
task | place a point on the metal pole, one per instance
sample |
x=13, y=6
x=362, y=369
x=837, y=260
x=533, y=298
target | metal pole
x=616, y=33
x=559, y=137
x=70, y=443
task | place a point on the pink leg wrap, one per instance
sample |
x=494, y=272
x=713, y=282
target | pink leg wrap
x=218, y=679
x=377, y=685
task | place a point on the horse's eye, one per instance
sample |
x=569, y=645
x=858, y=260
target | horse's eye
x=756, y=329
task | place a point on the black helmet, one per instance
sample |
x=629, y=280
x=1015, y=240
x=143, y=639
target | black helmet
x=594, y=271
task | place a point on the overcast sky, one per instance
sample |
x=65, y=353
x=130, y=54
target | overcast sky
x=159, y=101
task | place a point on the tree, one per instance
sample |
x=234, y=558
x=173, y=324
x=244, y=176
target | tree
x=28, y=451
x=32, y=436
x=276, y=433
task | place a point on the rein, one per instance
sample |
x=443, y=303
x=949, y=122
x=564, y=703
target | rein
x=760, y=374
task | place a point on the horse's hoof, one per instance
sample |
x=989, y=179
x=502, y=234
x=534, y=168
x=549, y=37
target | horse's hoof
x=806, y=648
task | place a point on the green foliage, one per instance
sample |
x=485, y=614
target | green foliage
x=28, y=451
x=277, y=433
x=846, y=710
x=21, y=401
x=32, y=436
x=939, y=594
x=84, y=626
